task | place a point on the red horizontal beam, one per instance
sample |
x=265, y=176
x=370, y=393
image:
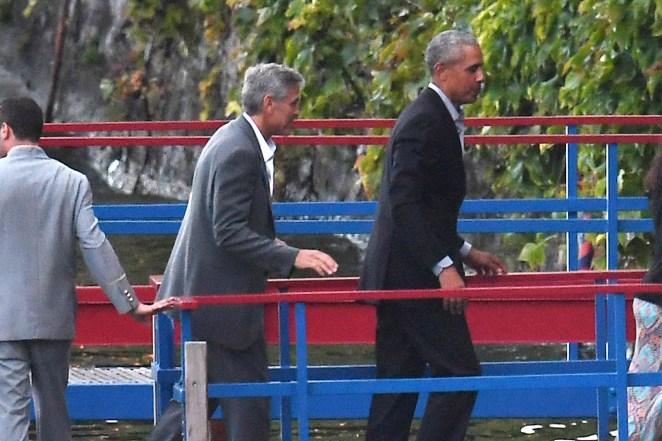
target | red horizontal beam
x=510, y=319
x=494, y=293
x=321, y=140
x=98, y=323
x=504, y=322
x=357, y=123
x=517, y=279
x=352, y=323
x=122, y=141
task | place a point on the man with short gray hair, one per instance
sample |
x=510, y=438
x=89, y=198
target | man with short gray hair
x=227, y=245
x=415, y=245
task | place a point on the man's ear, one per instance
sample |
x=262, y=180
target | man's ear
x=440, y=71
x=5, y=131
x=267, y=103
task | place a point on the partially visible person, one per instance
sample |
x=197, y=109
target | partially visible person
x=45, y=211
x=415, y=245
x=586, y=253
x=645, y=402
x=227, y=245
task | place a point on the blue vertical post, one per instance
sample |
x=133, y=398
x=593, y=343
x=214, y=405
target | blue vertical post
x=285, y=363
x=616, y=341
x=609, y=344
x=612, y=229
x=164, y=359
x=571, y=185
x=186, y=331
x=302, y=372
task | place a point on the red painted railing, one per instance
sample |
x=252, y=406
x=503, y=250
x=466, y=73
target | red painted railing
x=516, y=308
x=60, y=134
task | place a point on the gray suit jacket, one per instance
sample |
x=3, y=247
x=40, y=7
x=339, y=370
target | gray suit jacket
x=226, y=242
x=45, y=210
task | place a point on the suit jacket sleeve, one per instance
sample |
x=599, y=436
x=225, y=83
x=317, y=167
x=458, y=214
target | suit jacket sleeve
x=99, y=256
x=241, y=198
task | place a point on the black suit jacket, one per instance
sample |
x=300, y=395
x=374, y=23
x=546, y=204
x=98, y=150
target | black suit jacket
x=423, y=186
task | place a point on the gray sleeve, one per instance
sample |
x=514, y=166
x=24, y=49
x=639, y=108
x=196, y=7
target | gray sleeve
x=106, y=270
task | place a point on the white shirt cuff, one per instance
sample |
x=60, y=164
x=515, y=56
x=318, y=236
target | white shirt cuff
x=443, y=263
x=466, y=248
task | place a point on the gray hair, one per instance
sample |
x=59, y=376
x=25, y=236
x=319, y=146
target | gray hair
x=445, y=48
x=267, y=79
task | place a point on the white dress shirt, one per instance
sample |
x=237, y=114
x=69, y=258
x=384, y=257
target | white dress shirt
x=268, y=150
x=458, y=119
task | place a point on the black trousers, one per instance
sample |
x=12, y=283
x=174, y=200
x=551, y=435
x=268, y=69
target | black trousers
x=413, y=337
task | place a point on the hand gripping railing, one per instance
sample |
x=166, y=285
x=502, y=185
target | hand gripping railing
x=303, y=384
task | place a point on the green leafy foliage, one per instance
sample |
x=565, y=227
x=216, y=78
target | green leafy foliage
x=365, y=59
x=533, y=253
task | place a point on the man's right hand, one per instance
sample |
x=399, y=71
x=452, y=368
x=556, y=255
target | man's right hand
x=320, y=262
x=449, y=278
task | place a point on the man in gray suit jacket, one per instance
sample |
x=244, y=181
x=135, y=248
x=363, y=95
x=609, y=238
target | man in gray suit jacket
x=45, y=209
x=227, y=245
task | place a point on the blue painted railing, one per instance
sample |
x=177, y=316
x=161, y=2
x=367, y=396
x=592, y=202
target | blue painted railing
x=356, y=217
x=533, y=388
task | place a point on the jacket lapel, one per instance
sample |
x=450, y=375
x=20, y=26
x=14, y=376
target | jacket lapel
x=437, y=105
x=250, y=134
x=248, y=131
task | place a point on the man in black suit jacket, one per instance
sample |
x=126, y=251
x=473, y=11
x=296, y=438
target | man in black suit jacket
x=415, y=245
x=227, y=245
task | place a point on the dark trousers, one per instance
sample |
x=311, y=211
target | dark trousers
x=245, y=418
x=411, y=339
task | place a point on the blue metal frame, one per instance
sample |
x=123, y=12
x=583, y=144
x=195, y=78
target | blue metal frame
x=318, y=392
x=597, y=387
x=322, y=218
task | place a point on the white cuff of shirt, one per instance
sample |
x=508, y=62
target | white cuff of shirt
x=447, y=261
x=443, y=263
x=466, y=248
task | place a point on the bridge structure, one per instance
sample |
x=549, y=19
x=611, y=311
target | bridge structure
x=512, y=309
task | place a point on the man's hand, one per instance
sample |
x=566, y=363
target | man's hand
x=320, y=262
x=144, y=311
x=485, y=263
x=449, y=278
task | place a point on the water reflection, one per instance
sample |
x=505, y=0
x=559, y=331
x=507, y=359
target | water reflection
x=352, y=430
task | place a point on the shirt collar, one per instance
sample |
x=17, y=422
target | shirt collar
x=26, y=150
x=455, y=113
x=268, y=148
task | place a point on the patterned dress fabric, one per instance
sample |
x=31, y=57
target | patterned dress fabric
x=645, y=402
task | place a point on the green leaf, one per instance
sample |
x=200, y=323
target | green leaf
x=533, y=254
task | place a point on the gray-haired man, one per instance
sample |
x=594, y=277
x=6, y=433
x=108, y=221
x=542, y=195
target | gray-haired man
x=227, y=245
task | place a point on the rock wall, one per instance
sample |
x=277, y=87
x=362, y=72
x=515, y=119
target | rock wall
x=96, y=51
